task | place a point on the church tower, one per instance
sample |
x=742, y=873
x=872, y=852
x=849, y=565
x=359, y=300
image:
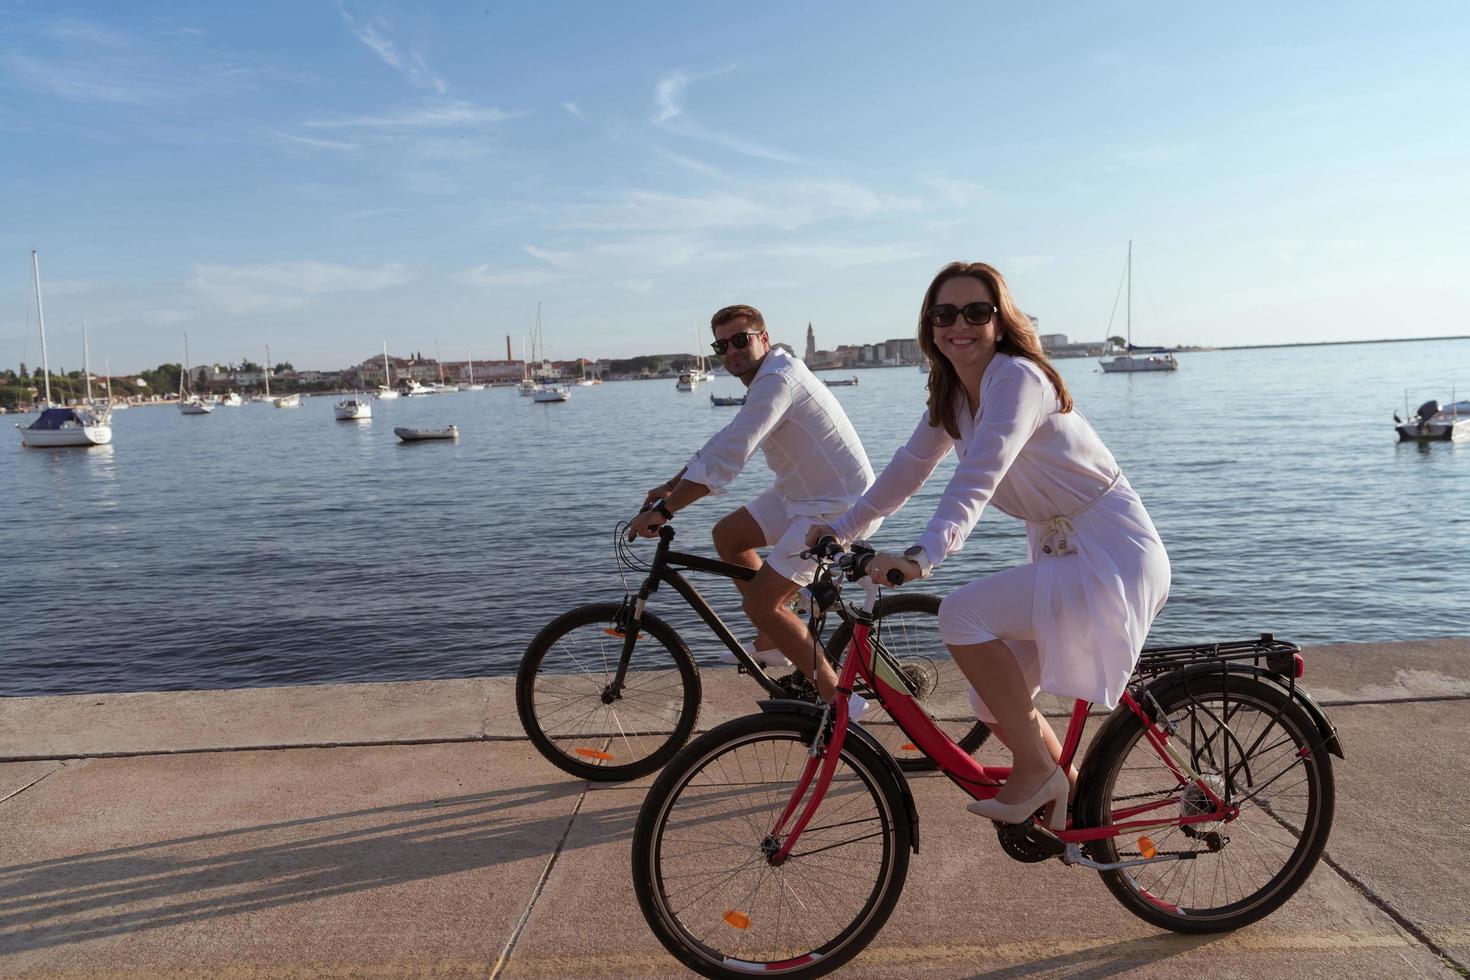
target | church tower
x=811, y=342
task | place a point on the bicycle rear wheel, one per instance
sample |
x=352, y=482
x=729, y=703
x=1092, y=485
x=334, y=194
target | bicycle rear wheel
x=908, y=628
x=1257, y=750
x=567, y=707
x=700, y=866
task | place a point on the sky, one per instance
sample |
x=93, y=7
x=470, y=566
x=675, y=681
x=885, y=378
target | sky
x=324, y=177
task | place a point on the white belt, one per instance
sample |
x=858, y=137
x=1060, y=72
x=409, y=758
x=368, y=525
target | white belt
x=1056, y=532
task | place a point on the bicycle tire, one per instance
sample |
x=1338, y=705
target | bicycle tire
x=1290, y=820
x=590, y=745
x=945, y=695
x=863, y=774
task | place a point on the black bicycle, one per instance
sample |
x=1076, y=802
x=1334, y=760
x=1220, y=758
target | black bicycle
x=609, y=691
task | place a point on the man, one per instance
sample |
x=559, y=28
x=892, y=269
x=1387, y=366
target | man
x=820, y=469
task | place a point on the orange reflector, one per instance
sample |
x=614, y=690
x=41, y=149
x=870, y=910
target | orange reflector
x=908, y=747
x=614, y=631
x=594, y=754
x=737, y=920
x=1146, y=847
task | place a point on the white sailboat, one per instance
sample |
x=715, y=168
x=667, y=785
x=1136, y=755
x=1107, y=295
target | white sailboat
x=190, y=404
x=232, y=399
x=59, y=426
x=282, y=401
x=526, y=387
x=1135, y=360
x=472, y=386
x=386, y=391
x=547, y=387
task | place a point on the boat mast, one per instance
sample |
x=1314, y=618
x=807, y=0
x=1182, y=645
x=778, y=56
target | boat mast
x=108, y=362
x=472, y=367
x=41, y=316
x=387, y=375
x=439, y=362
x=267, y=370
x=1130, y=294
x=86, y=368
x=186, y=366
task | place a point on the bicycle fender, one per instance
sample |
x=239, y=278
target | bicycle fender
x=778, y=706
x=1295, y=692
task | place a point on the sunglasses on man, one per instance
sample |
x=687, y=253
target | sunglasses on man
x=740, y=341
x=977, y=314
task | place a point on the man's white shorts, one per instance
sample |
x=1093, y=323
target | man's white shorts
x=785, y=533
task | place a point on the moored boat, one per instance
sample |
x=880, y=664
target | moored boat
x=550, y=393
x=841, y=382
x=353, y=408
x=1433, y=422
x=1131, y=359
x=721, y=402
x=423, y=435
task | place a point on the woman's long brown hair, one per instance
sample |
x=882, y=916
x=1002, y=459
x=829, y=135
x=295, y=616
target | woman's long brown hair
x=1018, y=339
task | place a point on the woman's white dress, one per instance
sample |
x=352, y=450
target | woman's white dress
x=1102, y=574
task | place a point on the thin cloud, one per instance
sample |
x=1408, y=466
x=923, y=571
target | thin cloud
x=572, y=108
x=843, y=256
x=956, y=191
x=372, y=33
x=668, y=96
x=319, y=144
x=488, y=276
x=1154, y=155
x=166, y=318
x=446, y=115
x=78, y=81
x=273, y=287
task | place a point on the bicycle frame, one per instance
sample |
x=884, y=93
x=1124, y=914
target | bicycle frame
x=665, y=568
x=980, y=781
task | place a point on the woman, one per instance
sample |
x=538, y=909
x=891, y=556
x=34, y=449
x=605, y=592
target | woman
x=1073, y=619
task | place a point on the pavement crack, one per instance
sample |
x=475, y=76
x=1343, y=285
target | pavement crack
x=1401, y=920
x=505, y=955
x=44, y=775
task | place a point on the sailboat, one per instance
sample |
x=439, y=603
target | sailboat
x=283, y=401
x=472, y=386
x=386, y=390
x=547, y=389
x=1156, y=359
x=190, y=404
x=526, y=387
x=58, y=425
x=584, y=381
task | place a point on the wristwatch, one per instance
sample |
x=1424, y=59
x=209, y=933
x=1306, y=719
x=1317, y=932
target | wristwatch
x=658, y=506
x=920, y=557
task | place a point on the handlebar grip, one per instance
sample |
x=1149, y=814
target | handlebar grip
x=895, y=577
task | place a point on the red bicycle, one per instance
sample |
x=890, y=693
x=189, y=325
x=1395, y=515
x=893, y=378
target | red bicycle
x=778, y=843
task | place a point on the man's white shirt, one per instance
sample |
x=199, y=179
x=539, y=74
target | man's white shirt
x=809, y=444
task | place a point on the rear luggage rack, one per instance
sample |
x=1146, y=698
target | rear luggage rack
x=1276, y=656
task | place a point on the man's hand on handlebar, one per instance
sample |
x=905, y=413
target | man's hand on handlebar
x=647, y=523
x=894, y=570
x=817, y=532
x=658, y=493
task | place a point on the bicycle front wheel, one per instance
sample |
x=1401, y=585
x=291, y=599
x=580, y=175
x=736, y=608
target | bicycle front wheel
x=1258, y=750
x=908, y=628
x=700, y=865
x=575, y=718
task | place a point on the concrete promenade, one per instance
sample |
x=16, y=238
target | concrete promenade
x=409, y=830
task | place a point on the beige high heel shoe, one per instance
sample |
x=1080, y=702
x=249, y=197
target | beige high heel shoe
x=1054, y=791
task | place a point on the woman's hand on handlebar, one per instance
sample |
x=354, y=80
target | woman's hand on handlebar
x=884, y=563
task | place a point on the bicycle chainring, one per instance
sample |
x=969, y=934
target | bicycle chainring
x=1019, y=843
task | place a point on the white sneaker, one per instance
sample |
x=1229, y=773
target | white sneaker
x=856, y=705
x=766, y=658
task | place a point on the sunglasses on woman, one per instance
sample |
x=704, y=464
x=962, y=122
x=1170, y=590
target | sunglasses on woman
x=977, y=314
x=740, y=341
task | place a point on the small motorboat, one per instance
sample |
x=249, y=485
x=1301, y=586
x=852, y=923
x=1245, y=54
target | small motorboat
x=287, y=401
x=192, y=405
x=841, y=382
x=412, y=389
x=356, y=407
x=719, y=402
x=232, y=399
x=423, y=435
x=687, y=382
x=1433, y=422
